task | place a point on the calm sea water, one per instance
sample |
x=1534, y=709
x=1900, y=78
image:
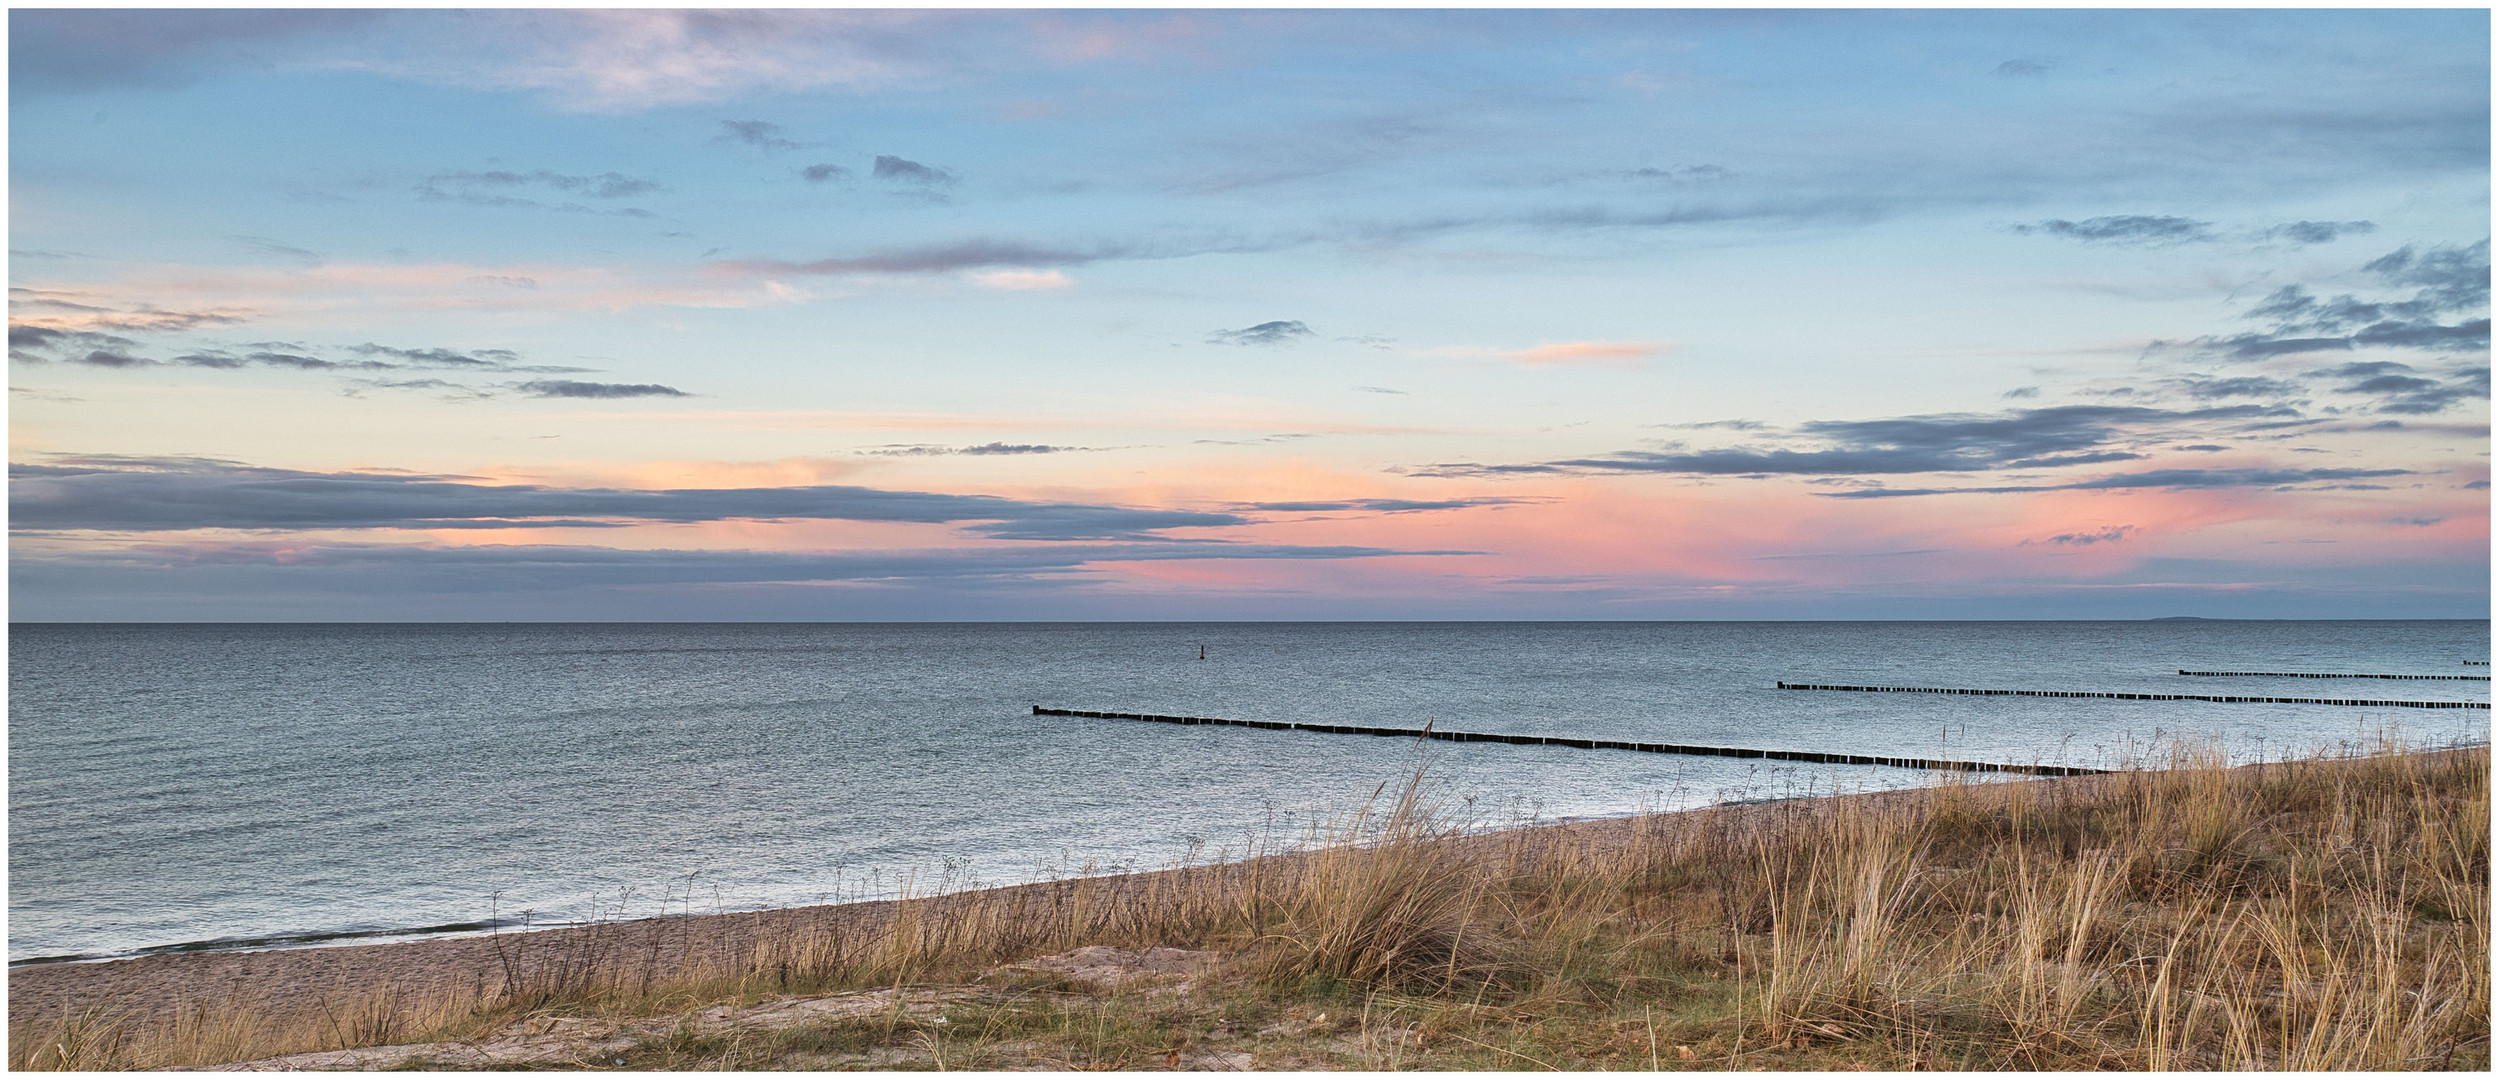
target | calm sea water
x=257, y=784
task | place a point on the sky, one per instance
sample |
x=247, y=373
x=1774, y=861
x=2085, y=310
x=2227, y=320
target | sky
x=1041, y=315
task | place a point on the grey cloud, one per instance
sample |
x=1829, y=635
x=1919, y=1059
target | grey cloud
x=68, y=50
x=2209, y=389
x=983, y=450
x=904, y=171
x=448, y=391
x=2176, y=479
x=1816, y=556
x=144, y=318
x=281, y=249
x=312, y=363
x=1382, y=506
x=1278, y=332
x=128, y=494
x=762, y=135
x=818, y=174
x=1955, y=442
x=2319, y=232
x=2446, y=281
x=2450, y=278
x=968, y=255
x=567, y=388
x=2202, y=447
x=2109, y=535
x=2125, y=229
x=2055, y=437
x=993, y=448
x=38, y=344
x=1477, y=468
x=454, y=359
x=2160, y=230
x=1730, y=425
x=451, y=391
x=368, y=569
x=2021, y=392
x=46, y=345
x=1689, y=174
x=2406, y=391
x=2014, y=69
x=1378, y=390
x=497, y=188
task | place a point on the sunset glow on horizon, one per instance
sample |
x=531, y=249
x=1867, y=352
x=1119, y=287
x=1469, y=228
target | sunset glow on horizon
x=904, y=315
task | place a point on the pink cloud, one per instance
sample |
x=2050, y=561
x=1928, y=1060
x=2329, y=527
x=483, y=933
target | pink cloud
x=1622, y=353
x=1560, y=353
x=1023, y=280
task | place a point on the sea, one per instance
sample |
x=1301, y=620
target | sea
x=237, y=786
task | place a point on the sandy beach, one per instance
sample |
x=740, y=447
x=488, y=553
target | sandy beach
x=304, y=979
x=1850, y=930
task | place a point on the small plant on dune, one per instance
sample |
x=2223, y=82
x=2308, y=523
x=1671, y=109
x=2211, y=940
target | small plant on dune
x=1385, y=901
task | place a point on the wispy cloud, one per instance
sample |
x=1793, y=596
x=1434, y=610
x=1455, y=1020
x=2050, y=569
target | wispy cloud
x=894, y=170
x=2208, y=388
x=2161, y=230
x=598, y=60
x=499, y=187
x=135, y=494
x=2173, y=479
x=2319, y=232
x=79, y=50
x=2401, y=389
x=77, y=310
x=2109, y=535
x=2446, y=282
x=568, y=388
x=39, y=344
x=1379, y=506
x=366, y=570
x=942, y=258
x=279, y=249
x=45, y=345
x=1588, y=353
x=2125, y=229
x=2053, y=437
x=1276, y=332
x=760, y=134
x=1023, y=280
x=988, y=449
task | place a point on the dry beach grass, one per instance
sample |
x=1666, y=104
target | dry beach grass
x=2310, y=915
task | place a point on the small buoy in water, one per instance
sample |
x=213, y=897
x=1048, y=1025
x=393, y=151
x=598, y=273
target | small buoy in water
x=1201, y=652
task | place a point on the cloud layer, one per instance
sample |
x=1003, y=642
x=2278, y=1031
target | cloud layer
x=152, y=495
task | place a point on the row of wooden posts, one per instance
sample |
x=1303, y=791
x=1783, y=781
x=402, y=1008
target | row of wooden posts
x=2320, y=675
x=2236, y=698
x=1428, y=732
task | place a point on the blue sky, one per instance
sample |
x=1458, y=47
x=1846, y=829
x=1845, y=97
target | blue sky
x=1288, y=314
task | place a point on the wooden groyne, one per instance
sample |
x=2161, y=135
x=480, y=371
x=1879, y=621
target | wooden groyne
x=1589, y=744
x=2142, y=697
x=2317, y=675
